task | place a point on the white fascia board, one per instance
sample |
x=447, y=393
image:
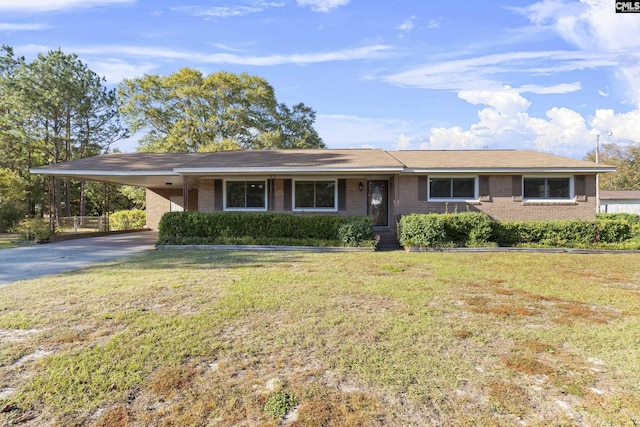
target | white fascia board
x=510, y=170
x=101, y=173
x=283, y=170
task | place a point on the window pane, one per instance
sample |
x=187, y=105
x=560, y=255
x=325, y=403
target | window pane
x=304, y=194
x=255, y=194
x=558, y=188
x=440, y=187
x=534, y=188
x=235, y=194
x=464, y=188
x=325, y=194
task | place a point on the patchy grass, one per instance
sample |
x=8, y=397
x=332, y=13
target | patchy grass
x=10, y=241
x=332, y=339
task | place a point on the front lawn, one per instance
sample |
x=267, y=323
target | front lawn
x=189, y=338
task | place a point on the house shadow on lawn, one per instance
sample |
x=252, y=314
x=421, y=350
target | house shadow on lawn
x=168, y=259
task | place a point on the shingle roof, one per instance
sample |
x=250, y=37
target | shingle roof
x=149, y=169
x=294, y=160
x=127, y=162
x=494, y=160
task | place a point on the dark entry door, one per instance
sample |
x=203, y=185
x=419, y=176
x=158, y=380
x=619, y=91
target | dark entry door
x=379, y=202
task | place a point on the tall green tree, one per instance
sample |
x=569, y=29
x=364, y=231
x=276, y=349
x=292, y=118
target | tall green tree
x=61, y=111
x=626, y=159
x=189, y=112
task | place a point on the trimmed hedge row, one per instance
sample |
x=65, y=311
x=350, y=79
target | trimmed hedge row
x=264, y=228
x=477, y=229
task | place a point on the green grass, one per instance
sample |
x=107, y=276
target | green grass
x=326, y=339
x=9, y=241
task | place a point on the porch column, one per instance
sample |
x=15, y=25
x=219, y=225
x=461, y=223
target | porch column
x=185, y=193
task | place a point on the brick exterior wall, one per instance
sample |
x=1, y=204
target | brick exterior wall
x=403, y=200
x=500, y=205
x=158, y=203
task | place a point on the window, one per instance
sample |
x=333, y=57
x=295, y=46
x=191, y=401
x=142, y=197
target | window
x=246, y=195
x=320, y=195
x=547, y=188
x=453, y=188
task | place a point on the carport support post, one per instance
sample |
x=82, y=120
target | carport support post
x=185, y=193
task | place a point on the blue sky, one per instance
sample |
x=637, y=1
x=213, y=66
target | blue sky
x=546, y=75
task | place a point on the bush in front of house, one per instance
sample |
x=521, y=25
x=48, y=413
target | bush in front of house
x=127, y=220
x=437, y=230
x=477, y=229
x=562, y=233
x=622, y=216
x=263, y=228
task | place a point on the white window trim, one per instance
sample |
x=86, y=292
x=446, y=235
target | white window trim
x=266, y=195
x=476, y=189
x=571, y=197
x=335, y=196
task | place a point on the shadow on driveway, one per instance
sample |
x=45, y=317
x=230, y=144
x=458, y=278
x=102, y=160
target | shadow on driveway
x=35, y=261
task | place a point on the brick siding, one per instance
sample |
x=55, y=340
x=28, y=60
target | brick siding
x=500, y=205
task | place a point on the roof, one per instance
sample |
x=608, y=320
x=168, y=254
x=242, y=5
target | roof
x=620, y=194
x=492, y=161
x=162, y=169
x=293, y=161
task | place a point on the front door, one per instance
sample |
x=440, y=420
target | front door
x=379, y=202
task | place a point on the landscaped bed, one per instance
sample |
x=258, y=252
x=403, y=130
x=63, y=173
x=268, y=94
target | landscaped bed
x=325, y=339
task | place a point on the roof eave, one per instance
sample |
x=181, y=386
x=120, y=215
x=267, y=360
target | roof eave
x=285, y=170
x=510, y=170
x=59, y=172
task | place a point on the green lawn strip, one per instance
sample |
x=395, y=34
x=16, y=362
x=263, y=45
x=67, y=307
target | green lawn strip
x=365, y=338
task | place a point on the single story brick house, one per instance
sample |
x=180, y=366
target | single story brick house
x=505, y=184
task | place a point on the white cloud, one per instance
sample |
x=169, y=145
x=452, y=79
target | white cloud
x=226, y=11
x=323, y=5
x=30, y=6
x=115, y=70
x=364, y=52
x=5, y=26
x=505, y=101
x=407, y=25
x=488, y=71
x=433, y=23
x=594, y=27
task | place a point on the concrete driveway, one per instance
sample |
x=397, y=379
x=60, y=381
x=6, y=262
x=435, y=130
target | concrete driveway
x=39, y=260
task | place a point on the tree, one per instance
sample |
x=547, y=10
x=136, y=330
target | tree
x=12, y=189
x=60, y=111
x=627, y=163
x=189, y=112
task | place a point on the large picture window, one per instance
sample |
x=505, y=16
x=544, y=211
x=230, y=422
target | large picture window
x=547, y=188
x=250, y=195
x=319, y=195
x=452, y=188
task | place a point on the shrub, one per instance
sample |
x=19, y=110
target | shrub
x=127, y=220
x=467, y=228
x=435, y=230
x=356, y=232
x=257, y=228
x=422, y=230
x=36, y=229
x=629, y=217
x=10, y=215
